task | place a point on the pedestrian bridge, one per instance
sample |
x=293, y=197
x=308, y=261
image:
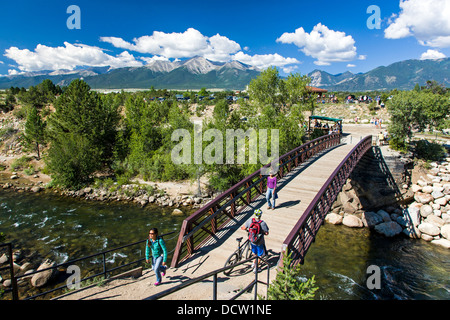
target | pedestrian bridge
x=310, y=178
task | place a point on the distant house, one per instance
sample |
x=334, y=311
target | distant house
x=319, y=91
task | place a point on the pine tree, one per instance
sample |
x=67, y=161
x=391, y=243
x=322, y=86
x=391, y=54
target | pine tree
x=34, y=129
x=82, y=132
x=288, y=285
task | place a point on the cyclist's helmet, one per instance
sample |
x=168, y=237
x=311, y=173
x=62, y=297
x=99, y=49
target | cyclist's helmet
x=258, y=213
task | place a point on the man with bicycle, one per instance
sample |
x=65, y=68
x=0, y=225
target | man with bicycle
x=257, y=229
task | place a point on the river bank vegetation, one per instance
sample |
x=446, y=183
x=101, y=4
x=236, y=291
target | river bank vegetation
x=82, y=135
x=89, y=138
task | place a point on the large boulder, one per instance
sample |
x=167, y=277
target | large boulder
x=352, y=221
x=40, y=279
x=371, y=219
x=333, y=218
x=389, y=229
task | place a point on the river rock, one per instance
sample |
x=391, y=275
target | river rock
x=437, y=194
x=445, y=231
x=40, y=279
x=441, y=201
x=427, y=189
x=3, y=259
x=438, y=222
x=333, y=218
x=426, y=210
x=352, y=221
x=384, y=215
x=177, y=212
x=36, y=189
x=370, y=219
x=423, y=197
x=389, y=229
x=442, y=242
x=429, y=229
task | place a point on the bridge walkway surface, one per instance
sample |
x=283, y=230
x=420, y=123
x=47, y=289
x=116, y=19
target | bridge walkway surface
x=295, y=192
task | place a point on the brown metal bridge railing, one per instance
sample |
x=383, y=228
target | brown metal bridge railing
x=203, y=224
x=304, y=232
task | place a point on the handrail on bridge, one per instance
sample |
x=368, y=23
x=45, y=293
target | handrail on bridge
x=252, y=284
x=104, y=272
x=203, y=224
x=303, y=233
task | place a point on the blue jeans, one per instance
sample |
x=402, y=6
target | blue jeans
x=270, y=195
x=157, y=267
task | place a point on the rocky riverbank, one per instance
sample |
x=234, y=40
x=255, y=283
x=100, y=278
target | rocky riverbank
x=426, y=216
x=140, y=194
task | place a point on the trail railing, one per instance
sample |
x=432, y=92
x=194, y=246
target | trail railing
x=204, y=224
x=304, y=232
x=104, y=273
x=253, y=285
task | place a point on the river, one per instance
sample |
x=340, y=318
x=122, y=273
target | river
x=45, y=225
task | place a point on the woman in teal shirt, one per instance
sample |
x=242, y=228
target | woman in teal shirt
x=158, y=253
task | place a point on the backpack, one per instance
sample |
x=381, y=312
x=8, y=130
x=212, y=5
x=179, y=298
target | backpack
x=255, y=231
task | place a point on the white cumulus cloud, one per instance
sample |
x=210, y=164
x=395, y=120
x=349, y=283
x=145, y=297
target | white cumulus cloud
x=69, y=56
x=180, y=45
x=323, y=44
x=193, y=43
x=427, y=20
x=263, y=61
x=432, y=55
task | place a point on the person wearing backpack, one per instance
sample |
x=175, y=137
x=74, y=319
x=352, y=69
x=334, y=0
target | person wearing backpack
x=156, y=248
x=257, y=229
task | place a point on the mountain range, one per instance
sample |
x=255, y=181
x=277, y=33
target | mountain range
x=195, y=73
x=199, y=72
x=403, y=75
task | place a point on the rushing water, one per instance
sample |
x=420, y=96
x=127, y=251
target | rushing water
x=63, y=229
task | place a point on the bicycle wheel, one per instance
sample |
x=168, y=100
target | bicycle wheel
x=232, y=260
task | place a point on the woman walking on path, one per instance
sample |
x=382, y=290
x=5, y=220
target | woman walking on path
x=271, y=190
x=158, y=253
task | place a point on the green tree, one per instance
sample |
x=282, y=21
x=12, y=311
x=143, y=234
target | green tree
x=288, y=284
x=34, y=129
x=296, y=91
x=82, y=132
x=265, y=89
x=221, y=110
x=410, y=109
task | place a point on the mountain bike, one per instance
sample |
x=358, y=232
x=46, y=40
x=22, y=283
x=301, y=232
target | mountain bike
x=243, y=251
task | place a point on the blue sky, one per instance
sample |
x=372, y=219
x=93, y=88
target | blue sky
x=296, y=36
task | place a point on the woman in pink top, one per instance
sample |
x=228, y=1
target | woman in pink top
x=271, y=186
